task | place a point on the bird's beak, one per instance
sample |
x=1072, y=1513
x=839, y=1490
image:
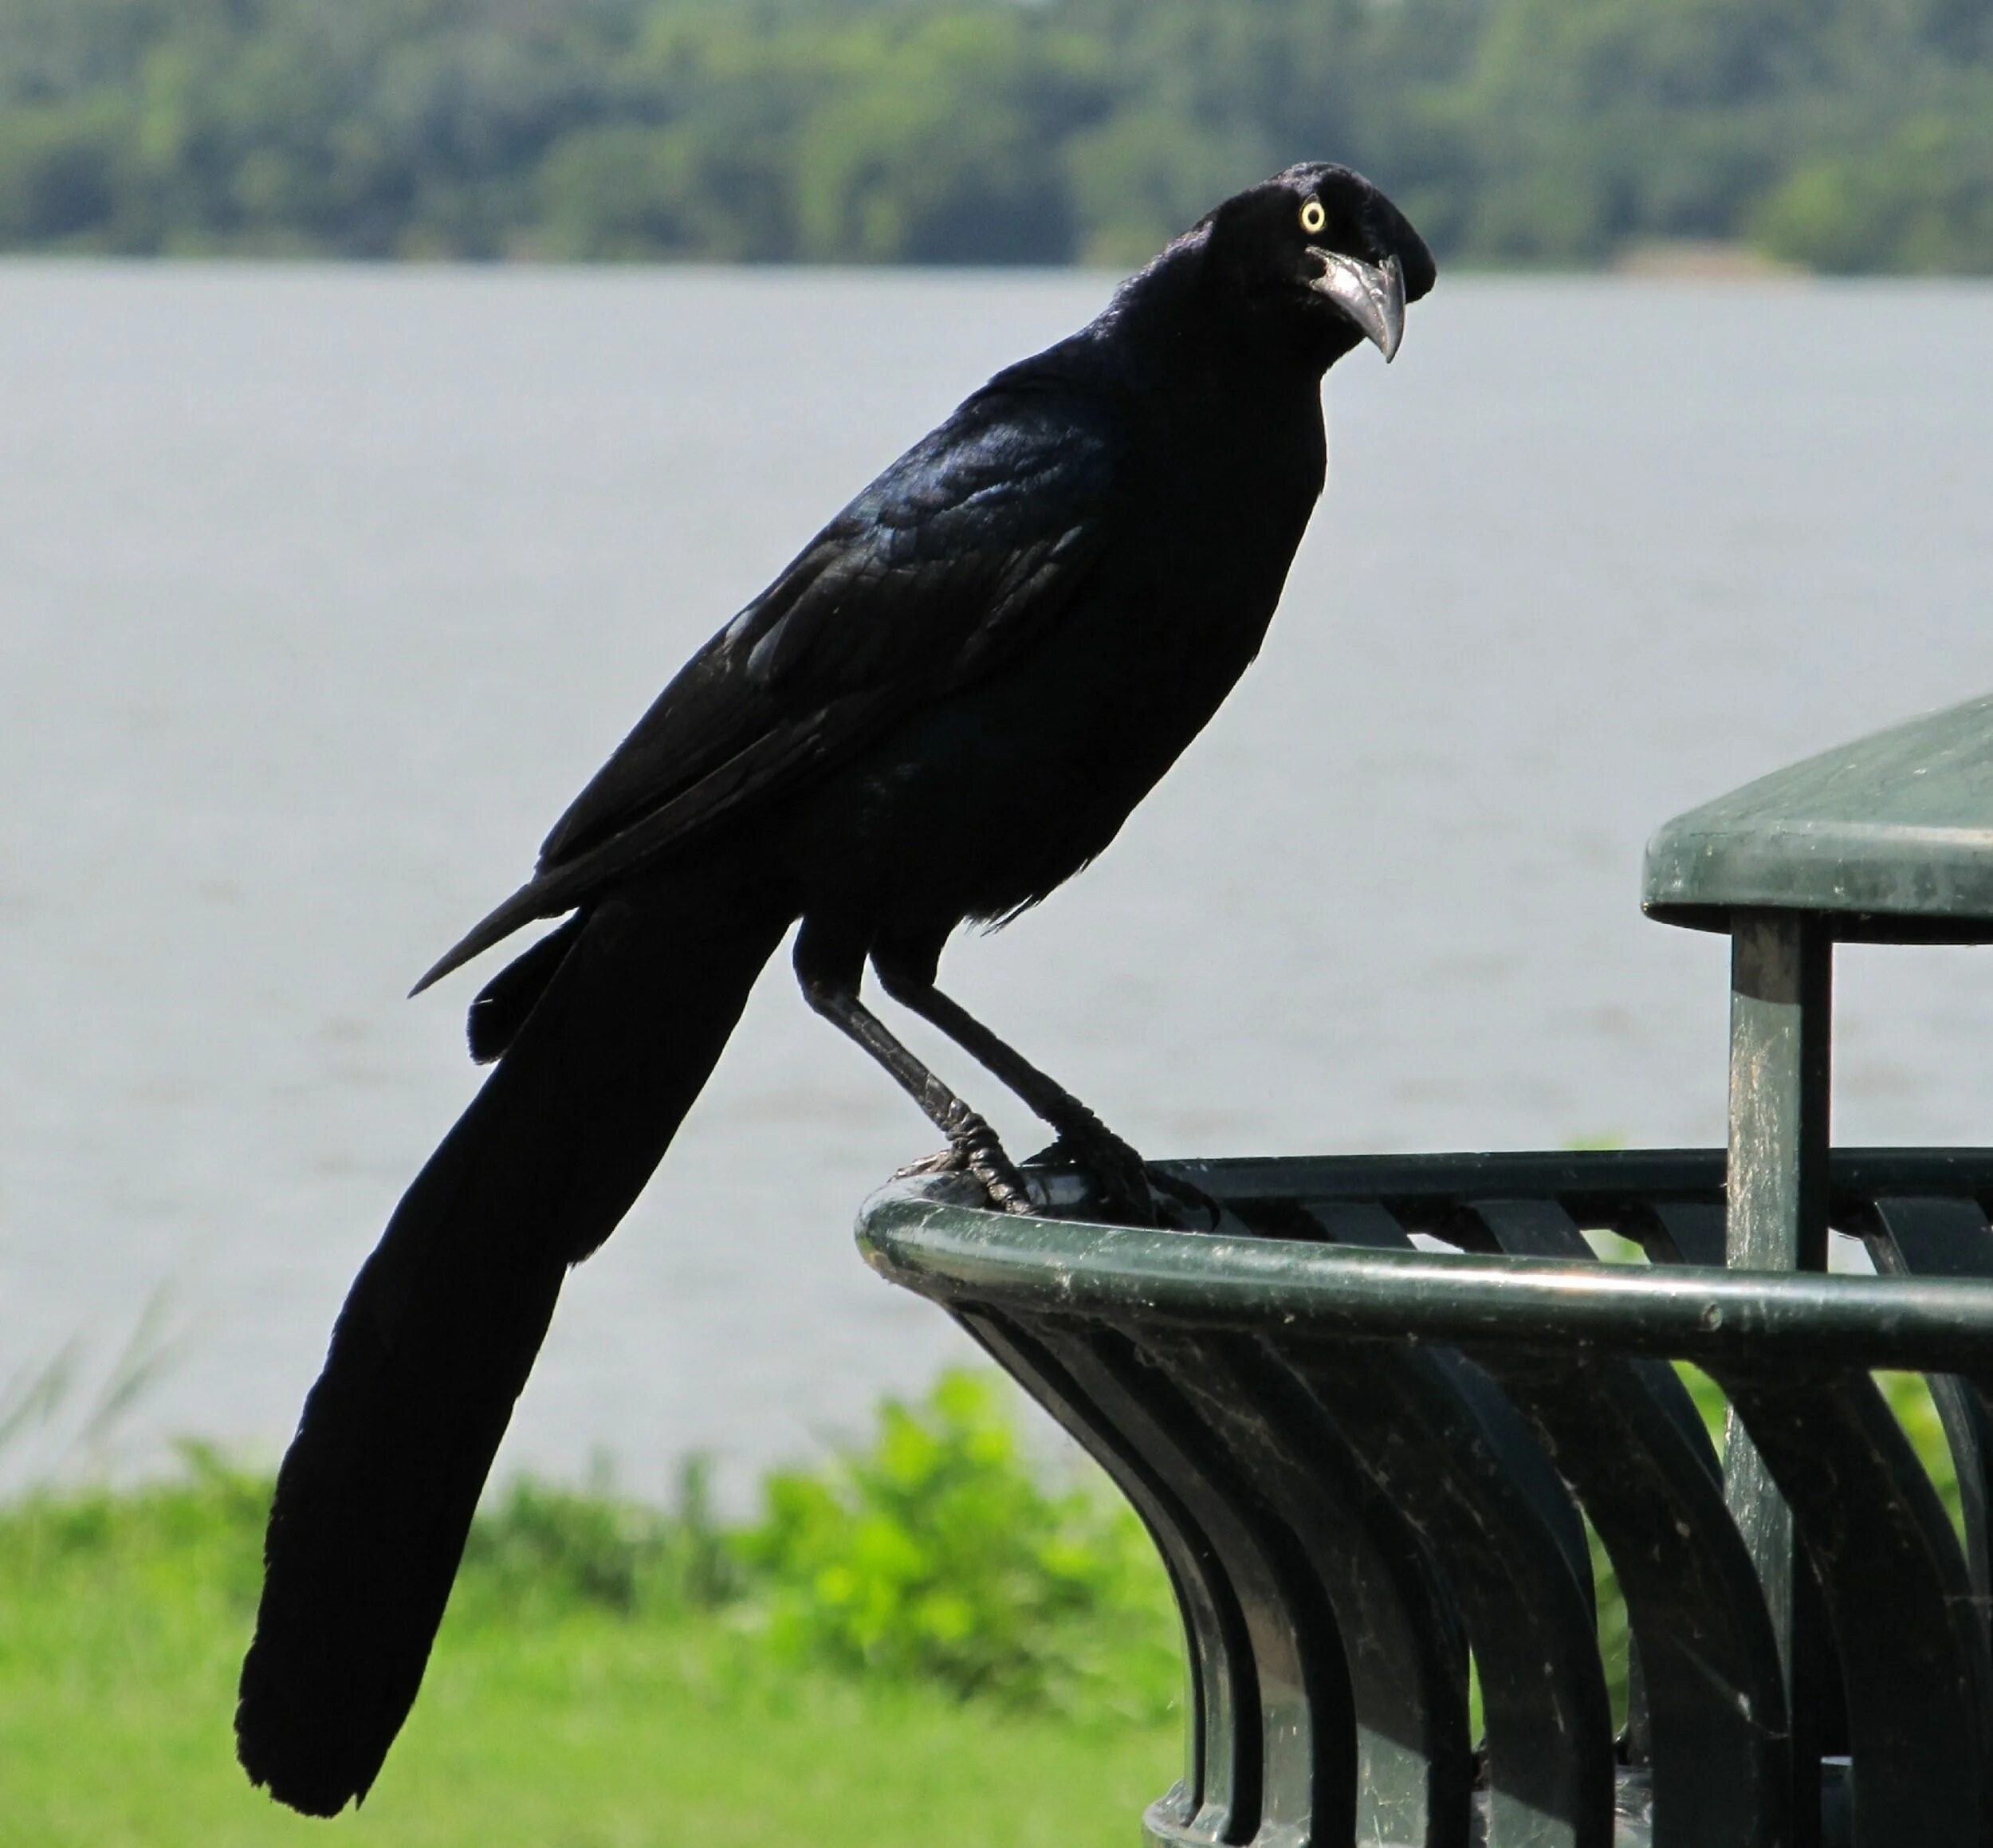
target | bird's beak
x=1372, y=298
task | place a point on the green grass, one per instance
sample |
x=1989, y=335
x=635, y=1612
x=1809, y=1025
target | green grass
x=564, y=1723
x=587, y=1730
x=918, y=1642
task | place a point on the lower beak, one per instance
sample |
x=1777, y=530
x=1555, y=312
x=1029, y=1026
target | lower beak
x=1373, y=297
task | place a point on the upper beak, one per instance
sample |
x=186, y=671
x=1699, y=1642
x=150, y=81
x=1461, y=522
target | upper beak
x=1372, y=298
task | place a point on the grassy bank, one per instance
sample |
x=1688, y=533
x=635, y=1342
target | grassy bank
x=580, y=1728
x=609, y=1675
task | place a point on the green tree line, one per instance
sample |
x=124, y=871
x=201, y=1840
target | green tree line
x=1848, y=135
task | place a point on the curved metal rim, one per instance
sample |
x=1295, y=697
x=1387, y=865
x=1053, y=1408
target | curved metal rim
x=912, y=1233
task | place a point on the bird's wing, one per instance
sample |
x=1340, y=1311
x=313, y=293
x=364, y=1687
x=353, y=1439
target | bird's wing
x=972, y=541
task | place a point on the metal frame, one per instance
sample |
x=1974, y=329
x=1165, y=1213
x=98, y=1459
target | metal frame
x=1360, y=1460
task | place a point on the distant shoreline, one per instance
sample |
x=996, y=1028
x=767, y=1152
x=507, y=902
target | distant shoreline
x=1855, y=137
x=1657, y=261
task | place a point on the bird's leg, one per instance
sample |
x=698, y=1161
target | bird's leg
x=1119, y=1171
x=972, y=1145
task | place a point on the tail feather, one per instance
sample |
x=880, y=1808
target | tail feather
x=502, y=1004
x=375, y=1496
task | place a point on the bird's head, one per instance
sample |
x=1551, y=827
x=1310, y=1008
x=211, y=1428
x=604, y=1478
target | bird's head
x=1319, y=258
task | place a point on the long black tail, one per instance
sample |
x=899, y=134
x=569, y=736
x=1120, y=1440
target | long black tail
x=375, y=1496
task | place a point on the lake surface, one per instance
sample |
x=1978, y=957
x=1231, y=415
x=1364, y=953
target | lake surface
x=322, y=590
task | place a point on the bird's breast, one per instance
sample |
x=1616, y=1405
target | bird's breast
x=984, y=800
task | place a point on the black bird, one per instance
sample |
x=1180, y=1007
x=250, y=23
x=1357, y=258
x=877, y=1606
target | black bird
x=944, y=708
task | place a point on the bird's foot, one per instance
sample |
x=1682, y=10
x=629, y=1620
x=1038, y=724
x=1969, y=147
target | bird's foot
x=1118, y=1175
x=1183, y=1206
x=973, y=1150
x=1126, y=1190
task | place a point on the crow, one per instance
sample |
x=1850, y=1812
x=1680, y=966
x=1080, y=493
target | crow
x=943, y=708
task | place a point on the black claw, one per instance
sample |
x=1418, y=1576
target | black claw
x=973, y=1150
x=1182, y=1207
x=1004, y=1186
x=941, y=1161
x=1119, y=1175
x=983, y=1156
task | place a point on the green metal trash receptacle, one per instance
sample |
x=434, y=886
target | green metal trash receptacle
x=1367, y=1415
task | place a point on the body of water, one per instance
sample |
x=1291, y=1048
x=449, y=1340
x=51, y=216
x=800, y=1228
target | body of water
x=322, y=590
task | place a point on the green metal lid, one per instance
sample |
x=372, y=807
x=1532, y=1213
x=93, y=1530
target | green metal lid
x=1892, y=837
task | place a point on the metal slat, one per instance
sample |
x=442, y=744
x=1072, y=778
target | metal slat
x=1721, y=1753
x=1629, y=1439
x=1911, y=1650
x=1946, y=1238
x=1541, y=1228
x=1681, y=1231
x=1435, y=1437
x=1405, y=1655
x=1199, y=1809
x=1301, y=1750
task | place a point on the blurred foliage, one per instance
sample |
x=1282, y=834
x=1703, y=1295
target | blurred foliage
x=936, y=1553
x=204, y=1528
x=540, y=1547
x=1842, y=134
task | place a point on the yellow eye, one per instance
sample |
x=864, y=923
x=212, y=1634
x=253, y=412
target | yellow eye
x=1313, y=218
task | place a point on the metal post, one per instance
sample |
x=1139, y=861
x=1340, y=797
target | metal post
x=1781, y=1024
